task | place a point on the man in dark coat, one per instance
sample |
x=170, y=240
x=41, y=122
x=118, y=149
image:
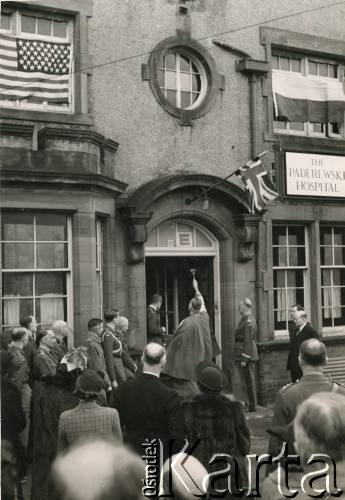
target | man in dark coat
x=246, y=355
x=304, y=331
x=312, y=359
x=190, y=345
x=221, y=426
x=148, y=409
x=155, y=332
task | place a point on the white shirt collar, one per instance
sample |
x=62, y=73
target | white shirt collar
x=153, y=307
x=150, y=373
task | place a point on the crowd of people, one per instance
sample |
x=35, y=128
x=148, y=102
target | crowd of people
x=81, y=419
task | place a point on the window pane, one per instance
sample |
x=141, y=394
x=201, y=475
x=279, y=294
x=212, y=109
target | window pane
x=280, y=124
x=59, y=29
x=335, y=128
x=48, y=309
x=312, y=68
x=339, y=256
x=160, y=77
x=195, y=97
x=297, y=126
x=326, y=256
x=161, y=62
x=333, y=70
x=5, y=21
x=51, y=255
x=284, y=64
x=18, y=255
x=171, y=96
x=274, y=62
x=184, y=63
x=185, y=81
x=170, y=80
x=339, y=320
x=50, y=283
x=14, y=309
x=196, y=83
x=279, y=235
x=295, y=65
x=326, y=277
x=51, y=227
x=291, y=279
x=293, y=260
x=339, y=235
x=44, y=26
x=17, y=227
x=17, y=284
x=167, y=231
x=280, y=279
x=323, y=70
x=202, y=240
x=170, y=61
x=185, y=99
x=326, y=235
x=318, y=128
x=29, y=24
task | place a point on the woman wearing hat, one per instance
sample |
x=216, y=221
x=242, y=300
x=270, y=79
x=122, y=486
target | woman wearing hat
x=221, y=427
x=55, y=396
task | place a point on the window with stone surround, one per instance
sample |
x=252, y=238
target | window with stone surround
x=311, y=68
x=36, y=260
x=290, y=268
x=304, y=62
x=36, y=55
x=332, y=257
x=54, y=34
x=183, y=77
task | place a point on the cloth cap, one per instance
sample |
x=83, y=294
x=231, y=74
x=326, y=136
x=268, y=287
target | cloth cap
x=90, y=381
x=210, y=376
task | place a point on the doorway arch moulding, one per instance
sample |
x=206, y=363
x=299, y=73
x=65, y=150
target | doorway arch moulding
x=140, y=211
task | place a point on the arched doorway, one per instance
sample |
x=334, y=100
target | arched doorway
x=173, y=249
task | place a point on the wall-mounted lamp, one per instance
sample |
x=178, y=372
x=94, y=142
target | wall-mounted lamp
x=201, y=194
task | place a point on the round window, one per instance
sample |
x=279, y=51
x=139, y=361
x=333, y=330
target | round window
x=183, y=77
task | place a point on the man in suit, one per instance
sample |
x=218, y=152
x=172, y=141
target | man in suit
x=312, y=359
x=246, y=355
x=88, y=419
x=148, y=409
x=304, y=331
x=155, y=332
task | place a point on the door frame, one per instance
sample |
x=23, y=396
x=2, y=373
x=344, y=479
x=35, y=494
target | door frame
x=198, y=252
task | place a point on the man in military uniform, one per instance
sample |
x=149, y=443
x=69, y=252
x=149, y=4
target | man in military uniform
x=155, y=332
x=312, y=359
x=246, y=354
x=112, y=347
x=45, y=360
x=19, y=372
x=95, y=353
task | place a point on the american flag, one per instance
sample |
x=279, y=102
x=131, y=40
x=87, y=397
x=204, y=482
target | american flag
x=34, y=68
x=258, y=185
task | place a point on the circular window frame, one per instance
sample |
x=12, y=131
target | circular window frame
x=213, y=82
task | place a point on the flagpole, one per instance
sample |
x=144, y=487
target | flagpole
x=188, y=201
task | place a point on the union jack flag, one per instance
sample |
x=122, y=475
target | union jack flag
x=258, y=185
x=34, y=68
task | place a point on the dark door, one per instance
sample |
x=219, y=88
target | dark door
x=171, y=277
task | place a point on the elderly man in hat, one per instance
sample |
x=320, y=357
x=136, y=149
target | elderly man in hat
x=219, y=422
x=88, y=419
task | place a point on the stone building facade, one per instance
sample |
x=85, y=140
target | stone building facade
x=165, y=99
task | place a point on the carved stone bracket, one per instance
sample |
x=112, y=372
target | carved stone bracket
x=247, y=232
x=136, y=231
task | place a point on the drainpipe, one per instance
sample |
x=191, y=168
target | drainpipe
x=253, y=69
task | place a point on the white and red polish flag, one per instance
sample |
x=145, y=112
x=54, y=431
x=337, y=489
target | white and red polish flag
x=34, y=68
x=308, y=99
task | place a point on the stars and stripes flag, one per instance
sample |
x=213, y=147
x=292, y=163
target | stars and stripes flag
x=34, y=68
x=259, y=188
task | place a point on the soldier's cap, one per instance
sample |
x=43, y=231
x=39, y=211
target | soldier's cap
x=90, y=381
x=210, y=376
